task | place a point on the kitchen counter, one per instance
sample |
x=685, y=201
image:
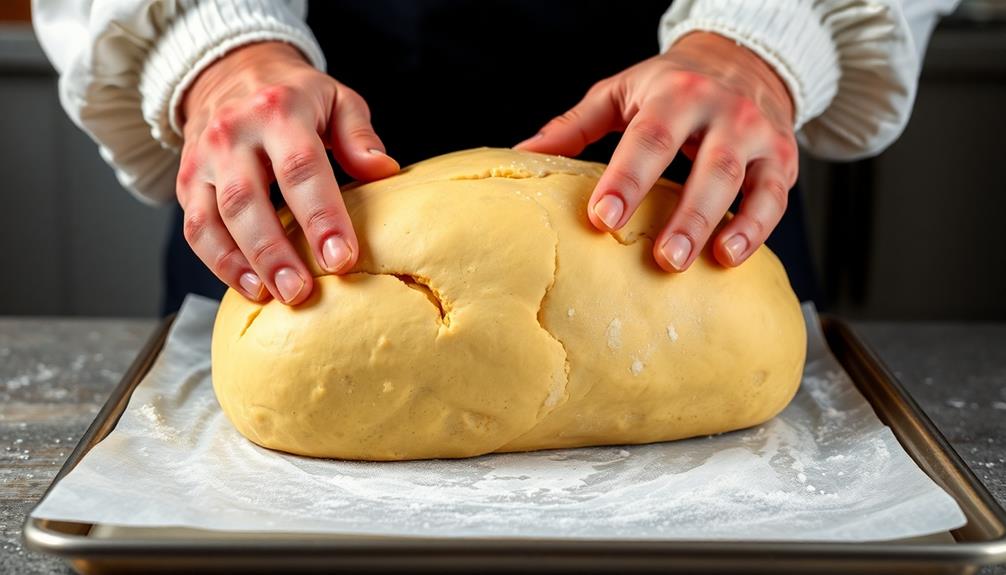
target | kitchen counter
x=55, y=374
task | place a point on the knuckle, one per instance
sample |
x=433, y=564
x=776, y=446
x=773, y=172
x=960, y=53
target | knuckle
x=353, y=100
x=274, y=99
x=627, y=182
x=364, y=132
x=655, y=137
x=759, y=228
x=194, y=226
x=226, y=259
x=186, y=171
x=221, y=129
x=234, y=198
x=778, y=191
x=265, y=249
x=697, y=222
x=571, y=116
x=299, y=167
x=747, y=113
x=726, y=165
x=689, y=83
x=321, y=220
x=600, y=87
x=785, y=150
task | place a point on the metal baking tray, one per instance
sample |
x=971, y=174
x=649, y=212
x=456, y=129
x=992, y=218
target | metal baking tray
x=982, y=541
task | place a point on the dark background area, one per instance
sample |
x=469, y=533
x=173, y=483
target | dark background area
x=914, y=233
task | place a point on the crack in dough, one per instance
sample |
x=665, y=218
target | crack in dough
x=556, y=395
x=533, y=329
x=251, y=319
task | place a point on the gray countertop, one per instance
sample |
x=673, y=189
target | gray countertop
x=55, y=374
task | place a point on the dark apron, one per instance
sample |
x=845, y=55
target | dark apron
x=443, y=75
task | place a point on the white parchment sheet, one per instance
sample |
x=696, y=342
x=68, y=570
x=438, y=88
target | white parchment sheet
x=825, y=469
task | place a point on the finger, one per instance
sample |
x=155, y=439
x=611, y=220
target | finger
x=647, y=147
x=243, y=201
x=212, y=243
x=312, y=194
x=354, y=142
x=596, y=115
x=711, y=187
x=765, y=198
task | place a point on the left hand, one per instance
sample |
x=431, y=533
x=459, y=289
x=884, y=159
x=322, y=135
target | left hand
x=717, y=102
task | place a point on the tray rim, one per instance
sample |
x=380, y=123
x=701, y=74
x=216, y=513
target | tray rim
x=71, y=542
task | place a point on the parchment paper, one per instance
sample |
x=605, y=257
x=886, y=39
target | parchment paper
x=825, y=469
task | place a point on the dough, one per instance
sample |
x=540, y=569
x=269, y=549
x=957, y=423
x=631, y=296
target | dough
x=485, y=314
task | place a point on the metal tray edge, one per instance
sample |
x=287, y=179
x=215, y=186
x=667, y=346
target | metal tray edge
x=55, y=538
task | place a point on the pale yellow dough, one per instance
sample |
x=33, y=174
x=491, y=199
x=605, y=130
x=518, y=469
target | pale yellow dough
x=486, y=314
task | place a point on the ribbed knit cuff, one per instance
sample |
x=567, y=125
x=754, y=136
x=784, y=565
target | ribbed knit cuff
x=789, y=36
x=200, y=35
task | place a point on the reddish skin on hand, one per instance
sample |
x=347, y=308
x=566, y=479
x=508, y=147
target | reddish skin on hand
x=719, y=104
x=262, y=114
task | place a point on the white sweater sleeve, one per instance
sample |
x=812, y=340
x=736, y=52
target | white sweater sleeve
x=125, y=64
x=851, y=66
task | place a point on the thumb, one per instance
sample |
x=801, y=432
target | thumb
x=592, y=118
x=353, y=140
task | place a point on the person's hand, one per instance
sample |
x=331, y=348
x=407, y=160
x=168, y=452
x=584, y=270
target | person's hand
x=713, y=100
x=262, y=114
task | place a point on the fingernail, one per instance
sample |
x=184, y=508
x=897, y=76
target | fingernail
x=676, y=250
x=736, y=246
x=289, y=284
x=382, y=154
x=251, y=284
x=610, y=209
x=336, y=253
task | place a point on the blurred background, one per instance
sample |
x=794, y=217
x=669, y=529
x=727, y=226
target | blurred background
x=916, y=233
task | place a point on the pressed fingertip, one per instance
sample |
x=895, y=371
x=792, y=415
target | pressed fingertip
x=676, y=250
x=336, y=254
x=289, y=284
x=609, y=209
x=370, y=164
x=252, y=286
x=736, y=247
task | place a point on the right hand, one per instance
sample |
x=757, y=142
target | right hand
x=260, y=114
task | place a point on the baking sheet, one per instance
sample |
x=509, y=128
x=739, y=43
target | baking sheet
x=826, y=469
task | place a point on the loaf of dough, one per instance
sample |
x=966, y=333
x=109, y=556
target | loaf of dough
x=486, y=314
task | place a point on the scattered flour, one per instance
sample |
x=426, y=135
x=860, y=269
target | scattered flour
x=957, y=403
x=41, y=374
x=614, y=334
x=637, y=367
x=18, y=382
x=999, y=405
x=158, y=426
x=732, y=485
x=672, y=333
x=570, y=313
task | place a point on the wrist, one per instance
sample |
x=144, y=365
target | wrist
x=239, y=67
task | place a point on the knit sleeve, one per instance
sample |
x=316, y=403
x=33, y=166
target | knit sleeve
x=851, y=66
x=125, y=64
